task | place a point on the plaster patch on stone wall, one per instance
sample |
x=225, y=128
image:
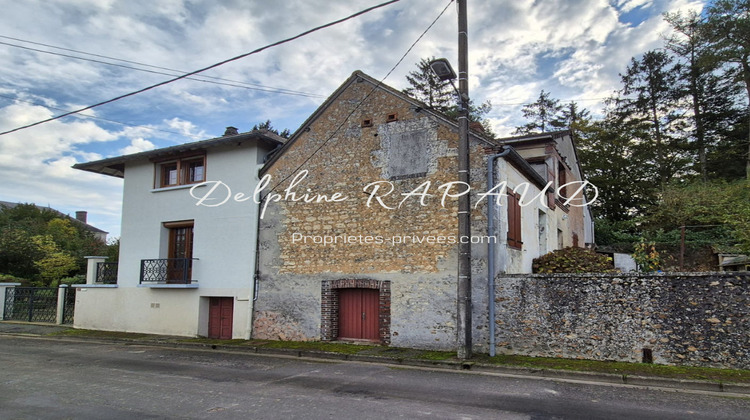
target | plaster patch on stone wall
x=269, y=325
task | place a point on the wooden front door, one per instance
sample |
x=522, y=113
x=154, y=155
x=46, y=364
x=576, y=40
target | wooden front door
x=358, y=314
x=220, y=318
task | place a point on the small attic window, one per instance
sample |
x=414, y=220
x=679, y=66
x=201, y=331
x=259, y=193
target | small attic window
x=367, y=122
x=391, y=117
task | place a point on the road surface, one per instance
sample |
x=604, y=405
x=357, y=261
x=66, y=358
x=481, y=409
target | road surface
x=59, y=379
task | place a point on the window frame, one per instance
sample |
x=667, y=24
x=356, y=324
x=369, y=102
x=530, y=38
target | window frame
x=182, y=169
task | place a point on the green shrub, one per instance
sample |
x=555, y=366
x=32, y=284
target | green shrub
x=573, y=260
x=7, y=278
x=78, y=279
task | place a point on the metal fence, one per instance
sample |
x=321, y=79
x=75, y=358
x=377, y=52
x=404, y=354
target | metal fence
x=31, y=304
x=69, y=305
x=106, y=273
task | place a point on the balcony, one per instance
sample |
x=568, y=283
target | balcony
x=106, y=273
x=167, y=271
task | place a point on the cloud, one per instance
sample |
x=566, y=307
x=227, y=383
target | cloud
x=574, y=49
x=185, y=128
x=136, y=146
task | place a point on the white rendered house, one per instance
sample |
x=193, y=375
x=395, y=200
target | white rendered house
x=184, y=269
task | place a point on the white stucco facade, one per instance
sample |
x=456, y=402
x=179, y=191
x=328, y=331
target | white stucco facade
x=224, y=239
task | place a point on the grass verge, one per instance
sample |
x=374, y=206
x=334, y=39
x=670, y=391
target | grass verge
x=621, y=368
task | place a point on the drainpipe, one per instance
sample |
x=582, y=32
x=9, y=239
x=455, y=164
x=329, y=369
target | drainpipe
x=491, y=245
x=256, y=269
x=256, y=275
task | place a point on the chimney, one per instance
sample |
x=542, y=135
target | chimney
x=231, y=131
x=81, y=215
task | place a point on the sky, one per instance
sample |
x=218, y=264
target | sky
x=61, y=55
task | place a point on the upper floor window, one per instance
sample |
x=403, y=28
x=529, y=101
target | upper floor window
x=187, y=170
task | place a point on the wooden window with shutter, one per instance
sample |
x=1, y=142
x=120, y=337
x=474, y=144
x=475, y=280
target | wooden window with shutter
x=514, y=220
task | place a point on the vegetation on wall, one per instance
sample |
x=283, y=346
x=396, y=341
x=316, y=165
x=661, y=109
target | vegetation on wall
x=573, y=260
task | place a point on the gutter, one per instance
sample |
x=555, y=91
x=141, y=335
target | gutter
x=491, y=244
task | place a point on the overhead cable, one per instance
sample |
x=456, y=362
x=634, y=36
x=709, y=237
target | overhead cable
x=284, y=41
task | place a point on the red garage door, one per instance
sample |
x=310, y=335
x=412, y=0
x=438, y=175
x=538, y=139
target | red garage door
x=358, y=314
x=220, y=318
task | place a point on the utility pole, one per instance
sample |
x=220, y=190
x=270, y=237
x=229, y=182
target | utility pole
x=464, y=203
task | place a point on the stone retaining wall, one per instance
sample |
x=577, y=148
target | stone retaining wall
x=698, y=319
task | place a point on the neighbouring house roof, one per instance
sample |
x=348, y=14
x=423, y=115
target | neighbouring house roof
x=540, y=138
x=92, y=229
x=115, y=166
x=522, y=165
x=358, y=77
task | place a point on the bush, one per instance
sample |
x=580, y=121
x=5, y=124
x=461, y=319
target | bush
x=573, y=260
x=7, y=278
x=79, y=279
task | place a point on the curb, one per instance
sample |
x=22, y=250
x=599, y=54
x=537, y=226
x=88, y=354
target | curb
x=740, y=389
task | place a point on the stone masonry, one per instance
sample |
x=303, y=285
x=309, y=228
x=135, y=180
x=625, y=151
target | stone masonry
x=696, y=319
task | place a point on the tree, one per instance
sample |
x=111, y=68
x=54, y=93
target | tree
x=544, y=114
x=23, y=254
x=18, y=253
x=54, y=263
x=606, y=151
x=647, y=106
x=440, y=95
x=728, y=29
x=427, y=88
x=721, y=210
x=574, y=118
x=703, y=82
x=268, y=126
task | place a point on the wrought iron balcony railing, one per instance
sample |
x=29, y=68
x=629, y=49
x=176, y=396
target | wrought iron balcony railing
x=167, y=271
x=106, y=273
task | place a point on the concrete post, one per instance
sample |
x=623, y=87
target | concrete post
x=61, y=303
x=91, y=268
x=3, y=288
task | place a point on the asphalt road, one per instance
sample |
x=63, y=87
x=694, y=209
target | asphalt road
x=60, y=379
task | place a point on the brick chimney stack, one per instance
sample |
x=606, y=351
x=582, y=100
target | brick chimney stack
x=81, y=215
x=231, y=131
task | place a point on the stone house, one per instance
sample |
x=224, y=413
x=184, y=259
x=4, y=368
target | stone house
x=184, y=269
x=358, y=236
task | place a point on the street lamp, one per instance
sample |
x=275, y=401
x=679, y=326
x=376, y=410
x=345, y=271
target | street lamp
x=443, y=70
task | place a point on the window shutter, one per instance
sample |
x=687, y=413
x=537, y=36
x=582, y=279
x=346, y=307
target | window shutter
x=514, y=220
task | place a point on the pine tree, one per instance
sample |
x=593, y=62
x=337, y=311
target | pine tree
x=703, y=83
x=426, y=87
x=267, y=125
x=440, y=95
x=728, y=30
x=574, y=118
x=647, y=107
x=543, y=115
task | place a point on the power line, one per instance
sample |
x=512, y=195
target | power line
x=284, y=41
x=234, y=83
x=99, y=118
x=360, y=103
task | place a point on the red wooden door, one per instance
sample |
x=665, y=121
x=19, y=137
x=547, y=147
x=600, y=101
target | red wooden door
x=358, y=314
x=220, y=314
